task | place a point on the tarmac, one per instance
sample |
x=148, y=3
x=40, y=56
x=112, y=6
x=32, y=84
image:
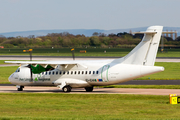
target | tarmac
x=27, y=89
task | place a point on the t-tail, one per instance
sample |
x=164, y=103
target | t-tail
x=145, y=52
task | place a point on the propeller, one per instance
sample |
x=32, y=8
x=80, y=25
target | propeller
x=29, y=66
x=38, y=69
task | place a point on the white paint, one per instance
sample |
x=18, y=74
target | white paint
x=139, y=62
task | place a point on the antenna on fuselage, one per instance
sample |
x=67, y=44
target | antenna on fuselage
x=72, y=50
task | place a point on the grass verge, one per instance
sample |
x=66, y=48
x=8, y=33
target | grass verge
x=171, y=72
x=5, y=72
x=113, y=52
x=86, y=106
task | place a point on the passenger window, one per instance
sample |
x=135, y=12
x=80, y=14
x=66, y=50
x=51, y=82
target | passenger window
x=56, y=72
x=74, y=72
x=82, y=72
x=78, y=72
x=42, y=73
x=60, y=72
x=93, y=72
x=49, y=73
x=97, y=72
x=68, y=72
x=46, y=72
x=64, y=72
x=53, y=72
x=71, y=72
x=89, y=72
x=86, y=72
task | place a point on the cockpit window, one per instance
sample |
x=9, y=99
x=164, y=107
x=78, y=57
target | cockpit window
x=18, y=70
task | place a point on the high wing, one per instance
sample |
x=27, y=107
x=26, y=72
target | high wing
x=55, y=63
x=41, y=66
x=45, y=63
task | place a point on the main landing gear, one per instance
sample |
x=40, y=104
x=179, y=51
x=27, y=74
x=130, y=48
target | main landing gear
x=67, y=89
x=19, y=88
x=89, y=89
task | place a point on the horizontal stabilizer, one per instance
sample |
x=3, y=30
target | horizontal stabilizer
x=144, y=32
x=164, y=32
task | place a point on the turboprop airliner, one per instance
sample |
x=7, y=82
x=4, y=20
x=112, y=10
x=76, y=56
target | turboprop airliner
x=87, y=74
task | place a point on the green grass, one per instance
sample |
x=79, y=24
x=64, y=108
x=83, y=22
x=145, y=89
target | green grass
x=86, y=106
x=169, y=53
x=5, y=72
x=113, y=52
x=2, y=62
x=171, y=72
x=67, y=52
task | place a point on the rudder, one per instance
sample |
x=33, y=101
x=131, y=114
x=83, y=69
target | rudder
x=145, y=52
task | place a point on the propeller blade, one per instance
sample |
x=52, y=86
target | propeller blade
x=31, y=74
x=29, y=66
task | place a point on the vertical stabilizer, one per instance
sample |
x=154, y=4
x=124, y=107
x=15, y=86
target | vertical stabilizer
x=145, y=52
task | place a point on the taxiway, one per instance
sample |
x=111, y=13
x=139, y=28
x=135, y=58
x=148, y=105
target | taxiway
x=12, y=89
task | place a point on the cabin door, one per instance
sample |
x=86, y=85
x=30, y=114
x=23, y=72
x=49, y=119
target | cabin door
x=104, y=73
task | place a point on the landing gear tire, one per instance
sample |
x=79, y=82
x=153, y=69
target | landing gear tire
x=67, y=89
x=20, y=88
x=89, y=89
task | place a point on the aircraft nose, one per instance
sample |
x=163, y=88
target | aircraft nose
x=11, y=77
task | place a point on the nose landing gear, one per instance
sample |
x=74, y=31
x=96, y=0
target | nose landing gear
x=19, y=88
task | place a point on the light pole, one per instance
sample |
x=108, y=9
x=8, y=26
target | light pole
x=30, y=53
x=73, y=53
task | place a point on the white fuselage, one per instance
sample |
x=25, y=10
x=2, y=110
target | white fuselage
x=68, y=74
x=85, y=75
